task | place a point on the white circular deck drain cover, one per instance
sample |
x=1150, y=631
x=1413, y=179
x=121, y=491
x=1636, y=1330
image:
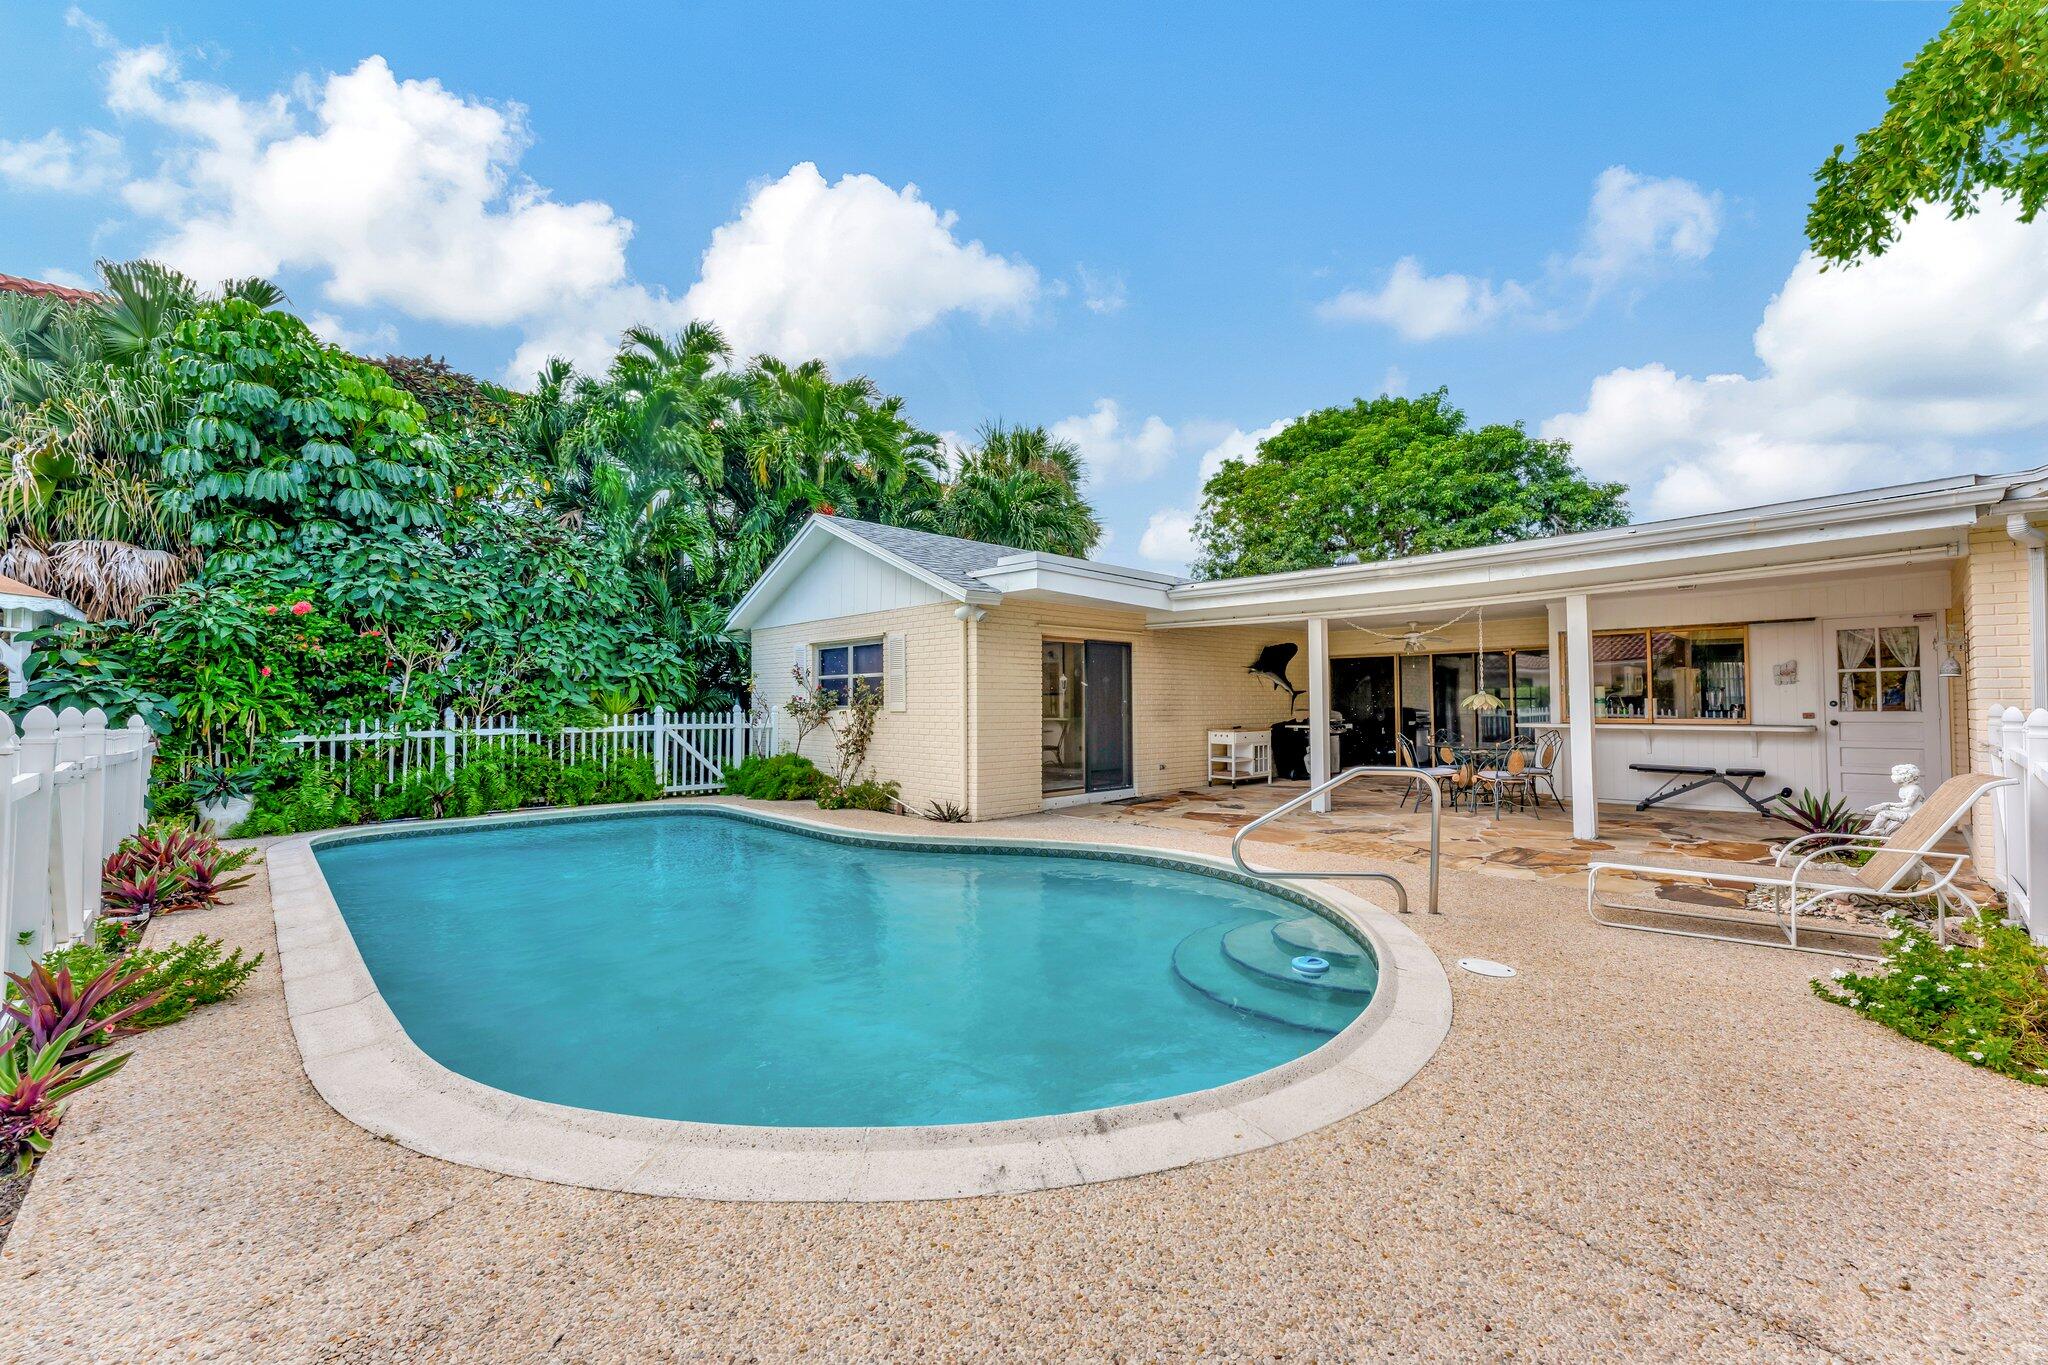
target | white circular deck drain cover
x=1480, y=966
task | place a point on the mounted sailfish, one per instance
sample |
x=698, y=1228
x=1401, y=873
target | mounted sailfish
x=1272, y=665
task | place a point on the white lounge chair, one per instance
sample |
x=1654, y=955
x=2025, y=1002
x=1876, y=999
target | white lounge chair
x=1903, y=867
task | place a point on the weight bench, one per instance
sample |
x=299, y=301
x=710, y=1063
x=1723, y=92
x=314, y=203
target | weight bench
x=1675, y=784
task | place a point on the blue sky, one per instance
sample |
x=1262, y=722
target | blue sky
x=1162, y=238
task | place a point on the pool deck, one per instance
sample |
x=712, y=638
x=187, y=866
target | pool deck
x=1640, y=1147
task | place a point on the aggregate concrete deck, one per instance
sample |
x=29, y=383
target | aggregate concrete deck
x=1639, y=1147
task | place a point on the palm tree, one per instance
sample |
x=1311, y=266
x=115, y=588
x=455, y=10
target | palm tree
x=82, y=403
x=1019, y=487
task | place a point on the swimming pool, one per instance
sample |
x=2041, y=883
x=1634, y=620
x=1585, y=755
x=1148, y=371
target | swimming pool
x=722, y=970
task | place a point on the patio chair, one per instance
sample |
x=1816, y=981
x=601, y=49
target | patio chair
x=1404, y=756
x=1903, y=867
x=1509, y=780
x=1543, y=771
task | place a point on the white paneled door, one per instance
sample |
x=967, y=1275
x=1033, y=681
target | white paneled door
x=1884, y=706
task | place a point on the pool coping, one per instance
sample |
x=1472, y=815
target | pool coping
x=361, y=1061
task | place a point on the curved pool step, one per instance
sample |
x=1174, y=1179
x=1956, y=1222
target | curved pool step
x=1255, y=950
x=1314, y=934
x=1200, y=963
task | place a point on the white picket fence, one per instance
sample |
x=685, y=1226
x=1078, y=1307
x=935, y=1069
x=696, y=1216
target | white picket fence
x=71, y=789
x=2018, y=747
x=689, y=750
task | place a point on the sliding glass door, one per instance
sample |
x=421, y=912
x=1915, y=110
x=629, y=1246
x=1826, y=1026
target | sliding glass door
x=1084, y=716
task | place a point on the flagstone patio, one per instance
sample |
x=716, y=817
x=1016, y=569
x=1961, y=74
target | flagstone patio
x=1372, y=823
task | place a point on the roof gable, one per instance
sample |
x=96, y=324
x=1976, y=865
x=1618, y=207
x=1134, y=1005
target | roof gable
x=941, y=564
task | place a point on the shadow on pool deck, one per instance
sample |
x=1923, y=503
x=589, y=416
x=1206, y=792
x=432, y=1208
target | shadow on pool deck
x=1638, y=1146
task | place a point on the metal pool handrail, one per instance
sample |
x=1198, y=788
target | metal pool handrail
x=1436, y=814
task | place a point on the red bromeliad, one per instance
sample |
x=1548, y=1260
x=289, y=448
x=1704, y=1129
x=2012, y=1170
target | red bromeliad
x=33, y=1088
x=51, y=1006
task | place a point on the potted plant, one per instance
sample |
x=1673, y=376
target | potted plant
x=224, y=795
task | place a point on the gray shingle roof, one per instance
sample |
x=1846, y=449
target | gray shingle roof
x=950, y=557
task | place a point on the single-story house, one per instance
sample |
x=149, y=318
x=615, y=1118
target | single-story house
x=23, y=609
x=1821, y=641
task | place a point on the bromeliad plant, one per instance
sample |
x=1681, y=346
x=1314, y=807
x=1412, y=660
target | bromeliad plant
x=222, y=783
x=34, y=1084
x=50, y=1005
x=1822, y=814
x=169, y=868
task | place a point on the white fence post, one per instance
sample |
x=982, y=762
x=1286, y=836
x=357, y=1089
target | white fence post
x=742, y=734
x=69, y=850
x=2034, y=834
x=12, y=903
x=660, y=747
x=2004, y=803
x=35, y=836
x=448, y=742
x=92, y=750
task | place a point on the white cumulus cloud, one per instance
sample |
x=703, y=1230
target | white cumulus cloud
x=1895, y=369
x=847, y=268
x=1637, y=228
x=1116, y=451
x=1238, y=445
x=57, y=161
x=1420, y=306
x=401, y=196
x=1170, y=537
x=1637, y=223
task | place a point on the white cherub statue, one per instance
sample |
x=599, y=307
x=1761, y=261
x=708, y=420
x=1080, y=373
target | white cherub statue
x=1887, y=816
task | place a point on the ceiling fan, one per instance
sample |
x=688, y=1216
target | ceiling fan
x=1416, y=639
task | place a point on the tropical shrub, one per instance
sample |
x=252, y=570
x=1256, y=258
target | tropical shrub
x=1985, y=1003
x=159, y=986
x=860, y=796
x=300, y=797
x=33, y=1088
x=775, y=777
x=300, y=793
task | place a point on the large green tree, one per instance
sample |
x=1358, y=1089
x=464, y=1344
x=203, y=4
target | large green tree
x=1968, y=118
x=1390, y=477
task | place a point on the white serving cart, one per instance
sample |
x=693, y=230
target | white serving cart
x=1240, y=756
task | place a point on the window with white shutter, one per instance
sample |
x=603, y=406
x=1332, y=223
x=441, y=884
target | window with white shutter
x=895, y=691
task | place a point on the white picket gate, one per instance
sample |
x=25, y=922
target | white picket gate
x=71, y=789
x=689, y=750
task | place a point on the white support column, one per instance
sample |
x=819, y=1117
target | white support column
x=1578, y=670
x=1319, y=709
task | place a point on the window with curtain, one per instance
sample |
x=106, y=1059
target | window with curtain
x=1878, y=668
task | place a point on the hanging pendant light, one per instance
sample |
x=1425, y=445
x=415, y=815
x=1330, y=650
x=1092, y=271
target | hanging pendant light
x=1481, y=699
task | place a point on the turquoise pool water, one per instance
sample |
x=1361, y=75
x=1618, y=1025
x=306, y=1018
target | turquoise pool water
x=710, y=968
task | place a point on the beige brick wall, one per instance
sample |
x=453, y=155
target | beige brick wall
x=922, y=746
x=1992, y=611
x=1184, y=683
